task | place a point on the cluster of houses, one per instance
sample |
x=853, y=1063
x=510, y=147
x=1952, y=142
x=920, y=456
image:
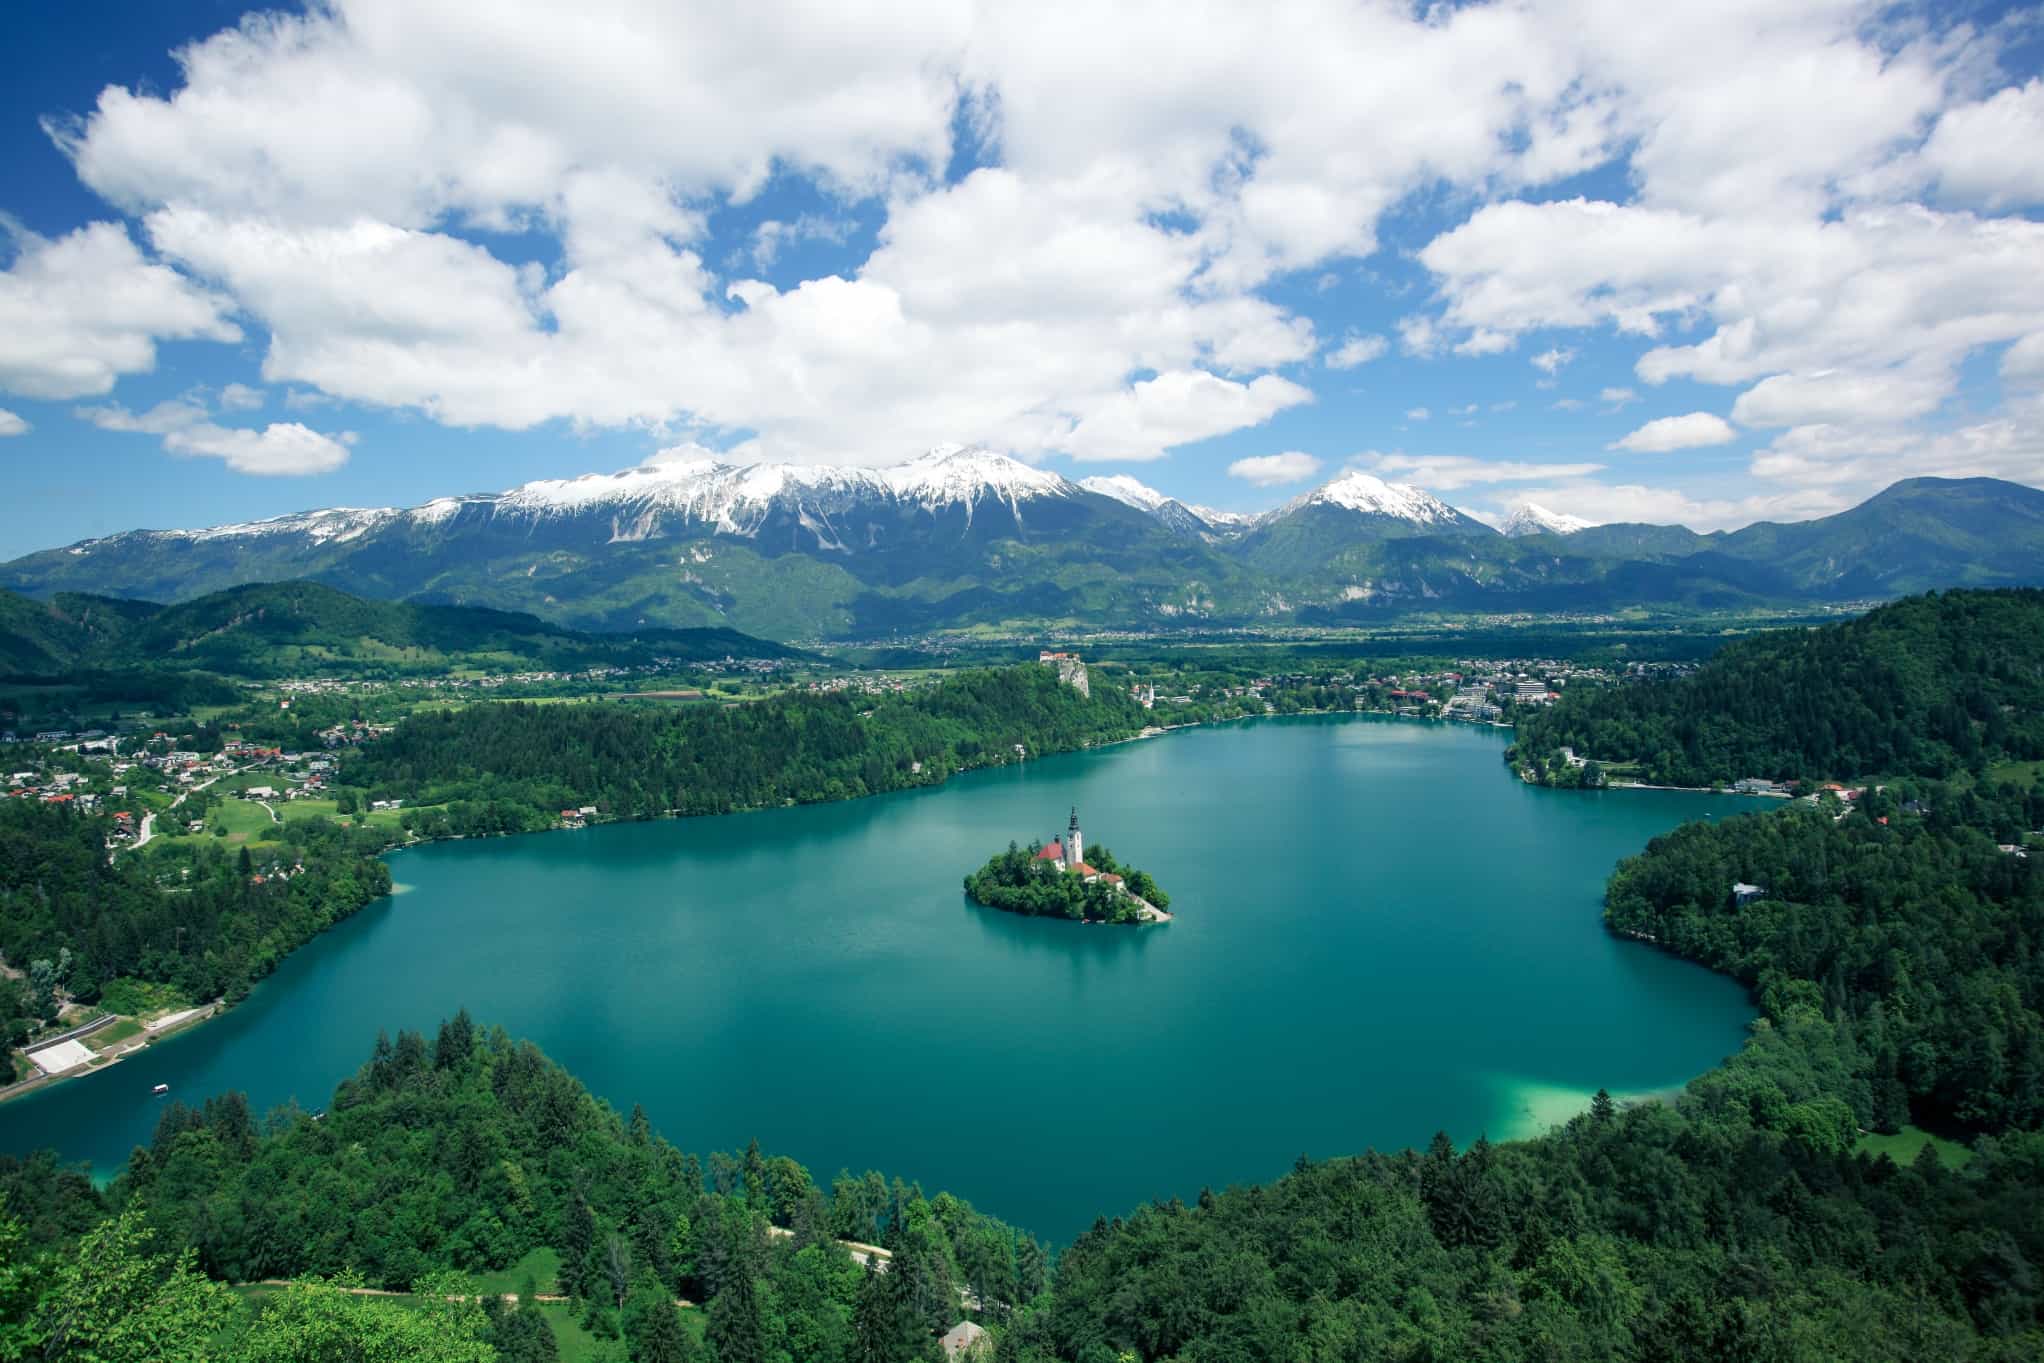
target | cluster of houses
x=876, y=685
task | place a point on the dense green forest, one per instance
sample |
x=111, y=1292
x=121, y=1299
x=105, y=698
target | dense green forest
x=1015, y=880
x=1928, y=686
x=465, y=1153
x=514, y=767
x=200, y=918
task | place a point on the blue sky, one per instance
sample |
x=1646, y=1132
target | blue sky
x=1708, y=264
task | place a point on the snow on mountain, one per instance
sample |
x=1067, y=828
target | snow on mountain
x=954, y=474
x=733, y=498
x=336, y=525
x=1127, y=491
x=1197, y=521
x=1223, y=520
x=1531, y=518
x=1372, y=496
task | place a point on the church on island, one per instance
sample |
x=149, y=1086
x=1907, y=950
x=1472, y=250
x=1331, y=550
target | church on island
x=1070, y=853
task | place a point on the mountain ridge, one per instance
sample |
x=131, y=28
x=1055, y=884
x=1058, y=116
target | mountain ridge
x=963, y=536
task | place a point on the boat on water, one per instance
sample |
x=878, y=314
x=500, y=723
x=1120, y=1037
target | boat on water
x=160, y=1089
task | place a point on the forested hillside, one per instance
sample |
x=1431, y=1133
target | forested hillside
x=199, y=918
x=272, y=629
x=512, y=767
x=468, y=1152
x=1915, y=935
x=1927, y=686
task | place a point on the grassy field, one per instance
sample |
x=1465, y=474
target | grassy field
x=543, y=1266
x=575, y=1343
x=1906, y=1144
x=243, y=819
x=2016, y=773
x=114, y=1035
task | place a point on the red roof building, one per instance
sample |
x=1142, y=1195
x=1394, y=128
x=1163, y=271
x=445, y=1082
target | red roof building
x=1054, y=852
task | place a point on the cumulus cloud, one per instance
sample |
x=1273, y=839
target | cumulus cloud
x=1986, y=153
x=1176, y=408
x=187, y=428
x=281, y=448
x=1274, y=470
x=1817, y=211
x=1417, y=414
x=1617, y=397
x=1356, y=350
x=79, y=311
x=239, y=397
x=1687, y=432
x=10, y=424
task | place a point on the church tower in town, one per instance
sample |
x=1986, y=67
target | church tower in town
x=1074, y=852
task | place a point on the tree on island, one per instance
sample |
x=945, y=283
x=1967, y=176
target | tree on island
x=1020, y=880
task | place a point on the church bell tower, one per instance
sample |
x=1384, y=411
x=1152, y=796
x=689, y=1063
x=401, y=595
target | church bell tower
x=1074, y=851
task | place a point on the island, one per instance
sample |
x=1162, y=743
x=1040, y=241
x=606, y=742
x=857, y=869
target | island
x=1061, y=879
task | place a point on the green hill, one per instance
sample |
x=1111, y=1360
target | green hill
x=1927, y=686
x=286, y=628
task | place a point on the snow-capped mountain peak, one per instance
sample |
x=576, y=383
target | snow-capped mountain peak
x=1531, y=518
x=1372, y=496
x=1127, y=491
x=962, y=473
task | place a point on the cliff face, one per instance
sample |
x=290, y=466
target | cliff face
x=1071, y=672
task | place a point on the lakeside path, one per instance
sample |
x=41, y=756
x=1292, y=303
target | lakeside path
x=151, y=1033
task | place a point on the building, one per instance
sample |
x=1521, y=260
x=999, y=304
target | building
x=1070, y=850
x=966, y=1340
x=1744, y=894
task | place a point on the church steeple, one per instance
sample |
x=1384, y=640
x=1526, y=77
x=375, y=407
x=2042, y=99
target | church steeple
x=1074, y=851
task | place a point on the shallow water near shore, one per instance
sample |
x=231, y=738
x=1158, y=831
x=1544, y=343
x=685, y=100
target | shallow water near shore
x=1380, y=933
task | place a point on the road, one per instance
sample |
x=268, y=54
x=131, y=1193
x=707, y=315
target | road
x=148, y=828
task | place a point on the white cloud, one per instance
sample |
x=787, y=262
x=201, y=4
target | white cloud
x=1552, y=360
x=79, y=311
x=239, y=397
x=1448, y=472
x=1273, y=470
x=1175, y=409
x=10, y=424
x=1617, y=397
x=1418, y=335
x=1687, y=432
x=1986, y=153
x=187, y=428
x=1609, y=503
x=1356, y=349
x=281, y=448
x=1417, y=414
x=1568, y=404
x=1856, y=460
x=173, y=414
x=1102, y=290
x=1832, y=396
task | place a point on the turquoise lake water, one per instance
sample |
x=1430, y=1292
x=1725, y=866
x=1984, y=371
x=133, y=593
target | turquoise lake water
x=1380, y=934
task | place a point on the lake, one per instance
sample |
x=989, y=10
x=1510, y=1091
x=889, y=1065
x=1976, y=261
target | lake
x=1380, y=933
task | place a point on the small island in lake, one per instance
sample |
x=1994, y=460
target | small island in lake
x=1057, y=880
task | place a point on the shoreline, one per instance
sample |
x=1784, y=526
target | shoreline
x=170, y=1024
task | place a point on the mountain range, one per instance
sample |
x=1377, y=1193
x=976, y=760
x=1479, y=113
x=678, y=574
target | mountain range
x=964, y=537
